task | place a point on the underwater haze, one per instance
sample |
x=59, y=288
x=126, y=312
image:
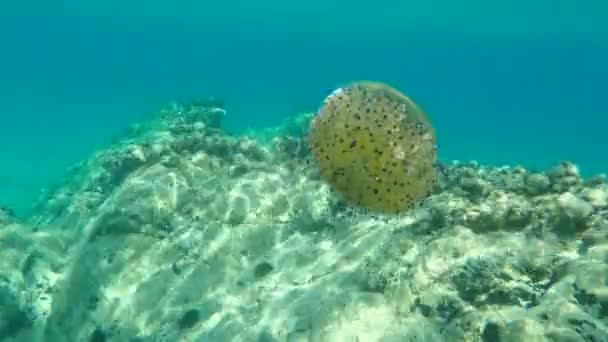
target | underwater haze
x=307, y=203
x=511, y=82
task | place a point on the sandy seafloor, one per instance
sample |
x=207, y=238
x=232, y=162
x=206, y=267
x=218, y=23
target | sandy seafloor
x=181, y=232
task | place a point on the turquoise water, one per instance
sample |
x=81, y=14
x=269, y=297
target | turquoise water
x=521, y=83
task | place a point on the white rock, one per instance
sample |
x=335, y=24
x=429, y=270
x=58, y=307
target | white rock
x=598, y=197
x=574, y=206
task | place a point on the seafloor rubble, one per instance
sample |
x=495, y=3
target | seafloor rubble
x=181, y=232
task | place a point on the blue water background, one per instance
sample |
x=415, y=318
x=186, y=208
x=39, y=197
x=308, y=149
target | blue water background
x=523, y=82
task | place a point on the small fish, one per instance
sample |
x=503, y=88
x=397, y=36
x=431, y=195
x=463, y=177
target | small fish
x=441, y=167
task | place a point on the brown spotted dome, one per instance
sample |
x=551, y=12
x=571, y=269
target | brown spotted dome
x=374, y=146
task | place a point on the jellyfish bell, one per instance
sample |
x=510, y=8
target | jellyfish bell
x=374, y=147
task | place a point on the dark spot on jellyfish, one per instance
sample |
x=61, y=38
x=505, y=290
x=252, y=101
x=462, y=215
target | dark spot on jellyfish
x=388, y=190
x=420, y=127
x=357, y=116
x=346, y=126
x=353, y=143
x=385, y=116
x=341, y=140
x=326, y=157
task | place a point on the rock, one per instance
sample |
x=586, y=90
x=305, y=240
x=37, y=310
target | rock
x=183, y=232
x=12, y=317
x=564, y=177
x=574, y=213
x=523, y=330
x=597, y=197
x=537, y=184
x=596, y=180
x=476, y=277
x=6, y=215
x=574, y=206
